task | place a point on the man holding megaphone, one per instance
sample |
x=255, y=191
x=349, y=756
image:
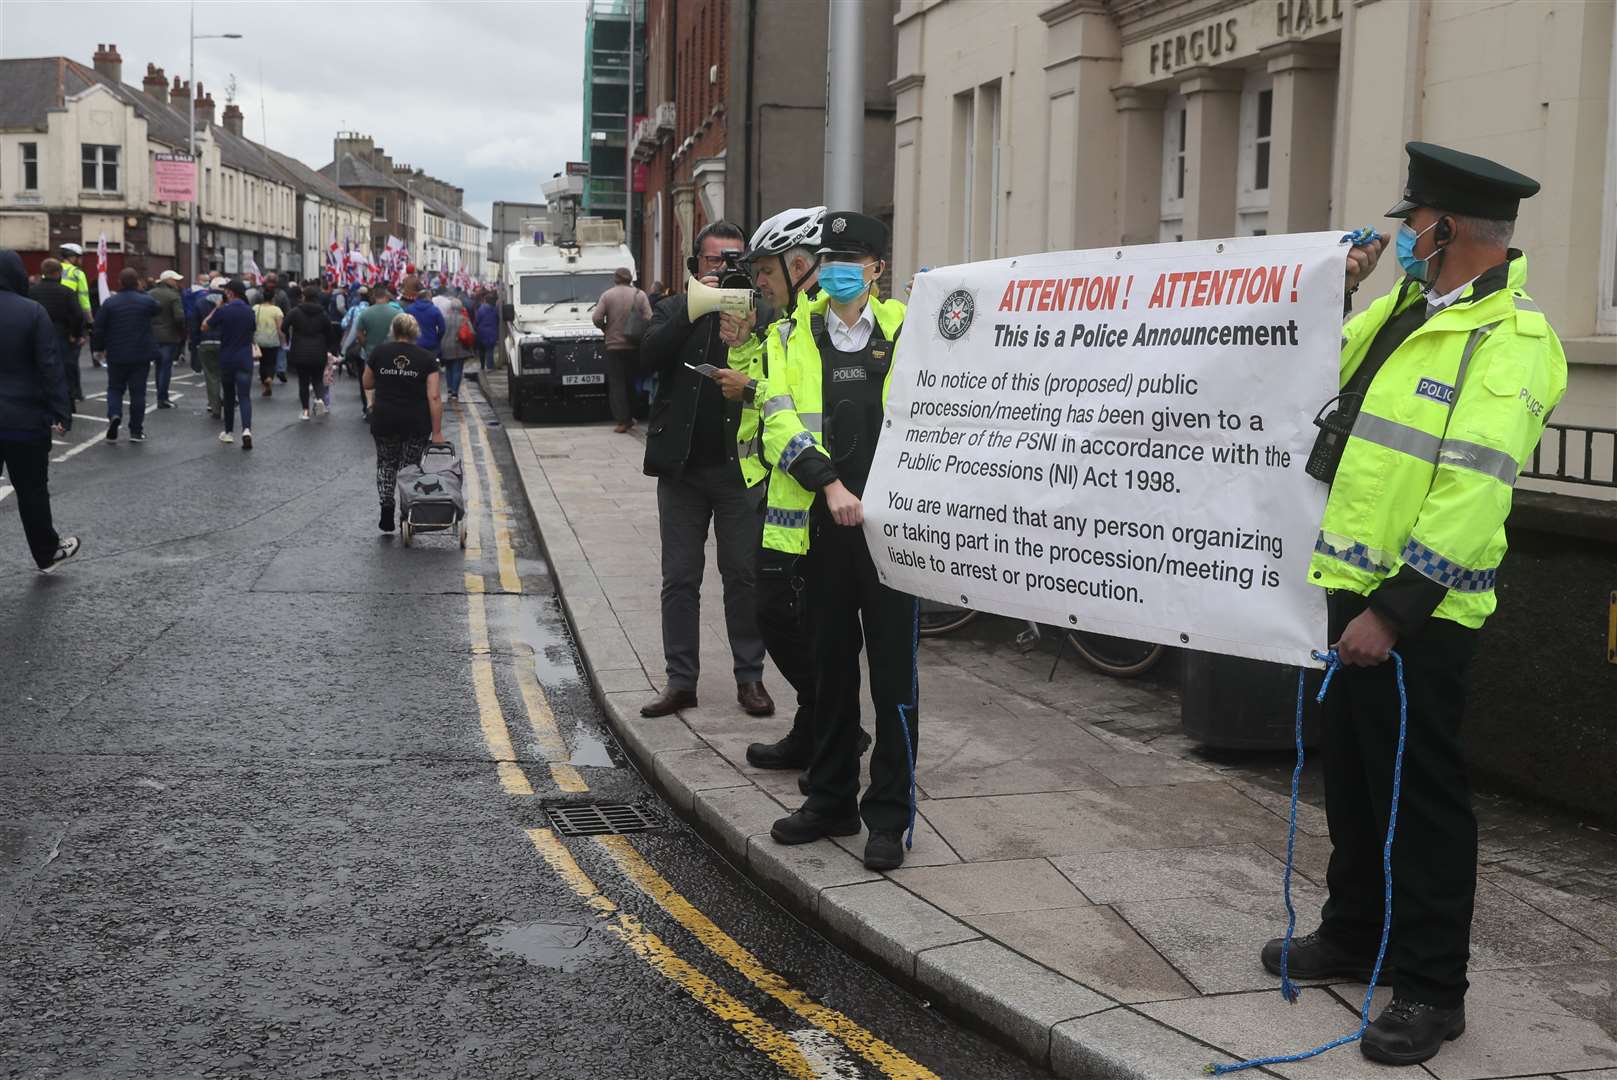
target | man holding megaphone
x=694, y=442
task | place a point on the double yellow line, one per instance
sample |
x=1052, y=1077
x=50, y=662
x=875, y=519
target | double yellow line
x=491, y=716
x=765, y=1037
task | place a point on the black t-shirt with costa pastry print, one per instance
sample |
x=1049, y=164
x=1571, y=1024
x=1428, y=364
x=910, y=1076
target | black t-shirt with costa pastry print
x=401, y=389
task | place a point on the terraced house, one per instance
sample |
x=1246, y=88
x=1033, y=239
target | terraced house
x=77, y=147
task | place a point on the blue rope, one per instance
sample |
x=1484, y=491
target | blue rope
x=1288, y=990
x=903, y=720
x=1362, y=236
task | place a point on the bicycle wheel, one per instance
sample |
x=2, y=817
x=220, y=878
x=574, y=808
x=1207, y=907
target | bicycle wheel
x=937, y=619
x=1120, y=658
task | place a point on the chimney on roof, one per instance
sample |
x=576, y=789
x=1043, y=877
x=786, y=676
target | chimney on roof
x=204, y=106
x=233, y=118
x=179, y=93
x=109, y=63
x=155, y=84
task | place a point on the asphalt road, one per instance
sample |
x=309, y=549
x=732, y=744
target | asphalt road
x=257, y=818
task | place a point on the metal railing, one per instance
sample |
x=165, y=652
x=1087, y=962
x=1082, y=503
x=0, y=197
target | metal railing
x=1579, y=454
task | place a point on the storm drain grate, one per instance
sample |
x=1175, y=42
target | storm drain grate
x=601, y=819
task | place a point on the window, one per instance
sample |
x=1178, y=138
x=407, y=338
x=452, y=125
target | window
x=1253, y=166
x=30, y=166
x=380, y=207
x=989, y=96
x=100, y=168
x=1175, y=139
x=1606, y=311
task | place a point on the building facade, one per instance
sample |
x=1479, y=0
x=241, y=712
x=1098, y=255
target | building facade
x=735, y=118
x=364, y=172
x=1084, y=123
x=614, y=93
x=76, y=156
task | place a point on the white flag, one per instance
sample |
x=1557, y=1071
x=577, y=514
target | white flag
x=101, y=268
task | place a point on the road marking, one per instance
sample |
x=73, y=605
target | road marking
x=830, y=1058
x=764, y=1036
x=473, y=491
x=887, y=1058
x=510, y=580
x=545, y=732
x=496, y=735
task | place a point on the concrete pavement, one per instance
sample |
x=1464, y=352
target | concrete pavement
x=1084, y=881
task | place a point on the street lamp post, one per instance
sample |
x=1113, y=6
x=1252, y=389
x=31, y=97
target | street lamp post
x=190, y=92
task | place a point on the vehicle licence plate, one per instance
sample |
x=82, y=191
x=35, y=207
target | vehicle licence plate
x=582, y=380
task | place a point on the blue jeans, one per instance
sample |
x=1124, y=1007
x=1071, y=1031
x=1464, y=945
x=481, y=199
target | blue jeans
x=485, y=357
x=130, y=377
x=237, y=379
x=280, y=362
x=166, y=356
x=453, y=369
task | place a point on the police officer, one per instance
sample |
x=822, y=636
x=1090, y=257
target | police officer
x=73, y=277
x=1453, y=374
x=783, y=261
x=829, y=370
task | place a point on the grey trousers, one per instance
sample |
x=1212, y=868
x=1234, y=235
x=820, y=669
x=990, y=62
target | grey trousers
x=684, y=508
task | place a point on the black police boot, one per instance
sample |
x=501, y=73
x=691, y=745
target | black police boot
x=1409, y=1032
x=1315, y=956
x=884, y=850
x=788, y=753
x=806, y=826
x=802, y=777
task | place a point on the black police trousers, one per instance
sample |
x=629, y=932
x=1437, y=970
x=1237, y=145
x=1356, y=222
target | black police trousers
x=1434, y=855
x=850, y=608
x=783, y=623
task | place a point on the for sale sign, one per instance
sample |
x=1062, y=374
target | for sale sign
x=174, y=178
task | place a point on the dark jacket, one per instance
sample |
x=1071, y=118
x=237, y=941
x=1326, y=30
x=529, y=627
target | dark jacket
x=309, y=333
x=62, y=305
x=33, y=386
x=168, y=326
x=687, y=408
x=487, y=322
x=123, y=328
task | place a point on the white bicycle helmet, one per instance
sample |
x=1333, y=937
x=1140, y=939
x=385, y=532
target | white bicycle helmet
x=798, y=227
x=795, y=228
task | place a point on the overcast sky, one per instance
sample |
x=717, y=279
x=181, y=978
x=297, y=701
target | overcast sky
x=485, y=95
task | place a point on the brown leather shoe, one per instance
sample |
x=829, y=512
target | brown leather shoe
x=755, y=699
x=672, y=701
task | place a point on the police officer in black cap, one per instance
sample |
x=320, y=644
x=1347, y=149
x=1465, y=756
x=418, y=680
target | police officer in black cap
x=830, y=365
x=1447, y=382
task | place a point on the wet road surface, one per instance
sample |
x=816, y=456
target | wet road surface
x=273, y=796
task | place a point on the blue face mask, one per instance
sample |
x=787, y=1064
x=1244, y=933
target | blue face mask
x=1404, y=246
x=843, y=281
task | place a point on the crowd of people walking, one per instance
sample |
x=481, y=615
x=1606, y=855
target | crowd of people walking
x=234, y=333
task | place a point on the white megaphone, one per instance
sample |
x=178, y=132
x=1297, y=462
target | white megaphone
x=702, y=299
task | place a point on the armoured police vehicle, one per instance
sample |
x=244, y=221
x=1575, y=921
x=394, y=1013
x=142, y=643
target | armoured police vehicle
x=551, y=279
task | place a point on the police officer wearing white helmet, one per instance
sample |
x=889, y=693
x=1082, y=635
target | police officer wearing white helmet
x=784, y=265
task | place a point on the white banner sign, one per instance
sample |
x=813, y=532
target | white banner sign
x=1114, y=440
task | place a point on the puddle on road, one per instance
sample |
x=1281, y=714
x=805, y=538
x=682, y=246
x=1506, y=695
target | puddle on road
x=547, y=641
x=560, y=946
x=590, y=750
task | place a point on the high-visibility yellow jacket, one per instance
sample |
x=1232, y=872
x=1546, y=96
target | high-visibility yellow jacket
x=748, y=359
x=74, y=278
x=791, y=404
x=1416, y=514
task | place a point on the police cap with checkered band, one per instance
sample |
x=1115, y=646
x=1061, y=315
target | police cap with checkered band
x=847, y=232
